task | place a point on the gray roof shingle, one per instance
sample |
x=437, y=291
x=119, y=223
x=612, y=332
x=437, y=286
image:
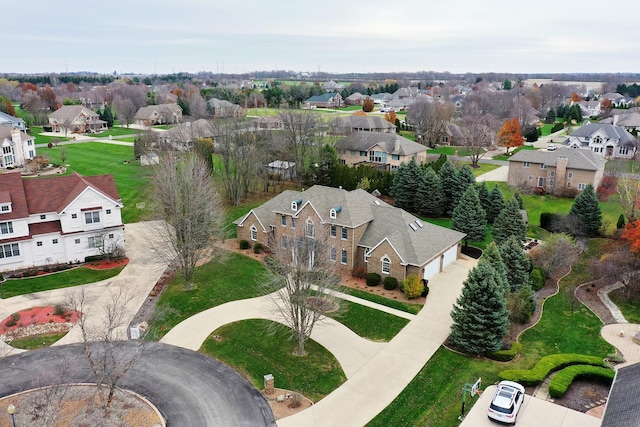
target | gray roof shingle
x=625, y=139
x=622, y=408
x=577, y=158
x=363, y=141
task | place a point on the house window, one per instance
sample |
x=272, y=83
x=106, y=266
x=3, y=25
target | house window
x=32, y=154
x=375, y=156
x=597, y=140
x=386, y=265
x=283, y=220
x=541, y=181
x=308, y=228
x=6, y=227
x=334, y=231
x=30, y=143
x=569, y=184
x=254, y=233
x=74, y=216
x=43, y=217
x=582, y=186
x=9, y=250
x=95, y=241
x=77, y=241
x=353, y=152
x=108, y=211
x=624, y=150
x=552, y=173
x=92, y=217
x=5, y=208
x=332, y=253
x=343, y=256
x=293, y=222
x=543, y=166
x=111, y=235
x=570, y=175
x=526, y=164
x=345, y=233
x=395, y=157
x=363, y=154
x=54, y=241
x=38, y=244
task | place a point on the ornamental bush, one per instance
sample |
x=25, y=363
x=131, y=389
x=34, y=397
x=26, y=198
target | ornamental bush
x=507, y=354
x=412, y=287
x=557, y=127
x=561, y=382
x=359, y=272
x=537, y=279
x=244, y=244
x=373, y=279
x=390, y=283
x=258, y=248
x=534, y=376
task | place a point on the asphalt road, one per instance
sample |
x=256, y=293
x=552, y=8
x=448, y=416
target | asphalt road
x=188, y=388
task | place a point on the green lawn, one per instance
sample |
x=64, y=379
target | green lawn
x=630, y=308
x=449, y=151
x=216, y=283
x=262, y=111
x=249, y=348
x=43, y=139
x=398, y=305
x=514, y=151
x=64, y=279
x=408, y=134
x=482, y=169
x=131, y=139
x=95, y=158
x=117, y=131
x=35, y=342
x=369, y=323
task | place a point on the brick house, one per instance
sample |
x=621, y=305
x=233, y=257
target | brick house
x=554, y=171
x=379, y=149
x=363, y=231
x=76, y=119
x=327, y=100
x=606, y=140
x=353, y=123
x=160, y=114
x=57, y=220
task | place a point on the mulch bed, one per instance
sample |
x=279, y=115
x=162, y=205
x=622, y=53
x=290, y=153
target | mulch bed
x=107, y=265
x=43, y=315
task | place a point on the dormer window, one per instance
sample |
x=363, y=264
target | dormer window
x=295, y=205
x=333, y=213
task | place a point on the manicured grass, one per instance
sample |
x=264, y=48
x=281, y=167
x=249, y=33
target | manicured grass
x=64, y=279
x=163, y=127
x=247, y=347
x=43, y=139
x=408, y=134
x=238, y=277
x=235, y=212
x=512, y=152
x=128, y=139
x=262, y=112
x=449, y=151
x=630, y=307
x=350, y=108
x=35, y=342
x=117, y=131
x=482, y=169
x=446, y=222
x=369, y=323
x=398, y=305
x=95, y=158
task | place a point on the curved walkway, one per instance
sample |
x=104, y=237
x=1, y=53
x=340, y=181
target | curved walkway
x=376, y=372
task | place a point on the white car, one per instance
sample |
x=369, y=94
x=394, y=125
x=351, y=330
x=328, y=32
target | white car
x=506, y=402
x=551, y=147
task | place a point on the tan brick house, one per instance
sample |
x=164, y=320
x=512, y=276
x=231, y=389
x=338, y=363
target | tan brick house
x=363, y=231
x=379, y=149
x=554, y=171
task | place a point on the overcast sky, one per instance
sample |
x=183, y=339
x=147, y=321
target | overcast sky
x=143, y=36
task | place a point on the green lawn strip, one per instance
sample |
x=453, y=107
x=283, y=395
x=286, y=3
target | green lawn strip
x=512, y=152
x=35, y=342
x=248, y=347
x=44, y=139
x=238, y=277
x=482, y=168
x=95, y=158
x=369, y=323
x=449, y=151
x=63, y=279
x=116, y=131
x=398, y=305
x=128, y=139
x=630, y=308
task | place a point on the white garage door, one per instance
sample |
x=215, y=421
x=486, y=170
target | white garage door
x=432, y=268
x=450, y=256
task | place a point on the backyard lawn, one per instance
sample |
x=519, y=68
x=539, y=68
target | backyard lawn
x=116, y=131
x=43, y=139
x=369, y=323
x=512, y=152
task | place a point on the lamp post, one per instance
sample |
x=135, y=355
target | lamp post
x=11, y=409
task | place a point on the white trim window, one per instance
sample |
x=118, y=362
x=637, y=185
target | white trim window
x=9, y=250
x=582, y=186
x=309, y=230
x=6, y=227
x=334, y=231
x=343, y=256
x=345, y=233
x=526, y=164
x=92, y=217
x=283, y=220
x=385, y=265
x=253, y=231
x=94, y=241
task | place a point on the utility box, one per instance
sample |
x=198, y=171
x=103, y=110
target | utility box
x=268, y=384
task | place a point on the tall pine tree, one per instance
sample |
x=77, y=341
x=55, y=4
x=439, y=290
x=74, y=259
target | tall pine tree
x=480, y=316
x=493, y=256
x=483, y=194
x=449, y=181
x=496, y=204
x=469, y=217
x=429, y=197
x=518, y=198
x=464, y=178
x=516, y=262
x=587, y=209
x=509, y=223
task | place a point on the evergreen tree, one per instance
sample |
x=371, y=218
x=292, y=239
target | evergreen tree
x=429, y=196
x=519, y=200
x=480, y=316
x=449, y=182
x=107, y=115
x=493, y=256
x=620, y=223
x=182, y=103
x=587, y=209
x=496, y=204
x=465, y=178
x=397, y=188
x=551, y=115
x=509, y=223
x=324, y=168
x=406, y=186
x=516, y=262
x=469, y=217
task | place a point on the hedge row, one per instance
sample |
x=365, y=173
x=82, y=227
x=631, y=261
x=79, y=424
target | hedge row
x=562, y=380
x=506, y=355
x=531, y=377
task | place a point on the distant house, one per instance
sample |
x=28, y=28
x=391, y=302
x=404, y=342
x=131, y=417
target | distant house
x=589, y=108
x=332, y=86
x=221, y=108
x=629, y=120
x=60, y=219
x=283, y=169
x=355, y=123
x=76, y=119
x=355, y=99
x=381, y=98
x=606, y=140
x=554, y=171
x=327, y=100
x=183, y=135
x=452, y=135
x=14, y=122
x=17, y=147
x=387, y=150
x=363, y=231
x=158, y=115
x=268, y=122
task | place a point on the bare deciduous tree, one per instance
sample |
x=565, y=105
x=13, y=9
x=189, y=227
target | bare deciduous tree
x=44, y=404
x=305, y=274
x=190, y=210
x=430, y=120
x=628, y=189
x=620, y=265
x=300, y=129
x=125, y=109
x=523, y=110
x=556, y=254
x=479, y=133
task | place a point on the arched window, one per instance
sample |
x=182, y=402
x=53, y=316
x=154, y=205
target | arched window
x=386, y=264
x=254, y=233
x=308, y=228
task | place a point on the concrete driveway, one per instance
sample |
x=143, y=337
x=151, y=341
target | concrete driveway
x=534, y=413
x=188, y=388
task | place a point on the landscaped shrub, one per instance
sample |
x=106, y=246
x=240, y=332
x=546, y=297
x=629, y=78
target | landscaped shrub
x=244, y=244
x=548, y=220
x=557, y=127
x=620, y=223
x=258, y=248
x=412, y=287
x=606, y=188
x=425, y=291
x=537, y=279
x=92, y=258
x=59, y=310
x=14, y=319
x=359, y=272
x=531, y=377
x=390, y=283
x=506, y=355
x=561, y=382
x=373, y=279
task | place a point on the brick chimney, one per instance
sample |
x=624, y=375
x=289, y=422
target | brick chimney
x=561, y=173
x=396, y=146
x=15, y=136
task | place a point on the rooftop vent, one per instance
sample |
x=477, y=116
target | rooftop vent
x=413, y=226
x=420, y=224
